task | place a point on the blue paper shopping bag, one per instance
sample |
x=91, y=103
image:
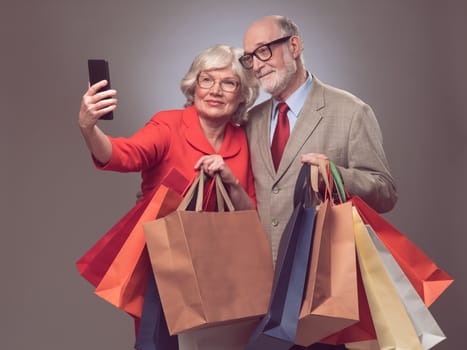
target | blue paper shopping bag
x=278, y=328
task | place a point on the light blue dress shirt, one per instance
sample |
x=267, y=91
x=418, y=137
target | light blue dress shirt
x=295, y=103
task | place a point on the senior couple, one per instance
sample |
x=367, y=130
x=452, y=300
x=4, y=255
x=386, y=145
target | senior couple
x=220, y=132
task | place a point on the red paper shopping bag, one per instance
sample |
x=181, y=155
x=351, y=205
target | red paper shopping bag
x=429, y=280
x=123, y=284
x=96, y=261
x=120, y=281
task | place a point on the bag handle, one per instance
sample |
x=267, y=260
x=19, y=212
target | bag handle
x=314, y=173
x=331, y=178
x=222, y=195
x=322, y=165
x=187, y=198
x=338, y=181
x=197, y=187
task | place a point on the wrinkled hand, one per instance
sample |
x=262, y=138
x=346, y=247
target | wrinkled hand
x=312, y=158
x=215, y=164
x=95, y=104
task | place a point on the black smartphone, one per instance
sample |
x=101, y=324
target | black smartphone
x=99, y=70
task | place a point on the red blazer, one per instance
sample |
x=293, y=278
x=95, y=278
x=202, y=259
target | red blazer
x=174, y=139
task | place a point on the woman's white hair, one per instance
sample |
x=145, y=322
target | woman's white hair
x=219, y=57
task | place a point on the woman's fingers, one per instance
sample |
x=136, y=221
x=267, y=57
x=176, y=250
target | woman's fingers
x=213, y=164
x=99, y=103
x=93, y=89
x=210, y=164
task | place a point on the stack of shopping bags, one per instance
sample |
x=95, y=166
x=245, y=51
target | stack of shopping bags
x=343, y=274
x=177, y=267
x=365, y=282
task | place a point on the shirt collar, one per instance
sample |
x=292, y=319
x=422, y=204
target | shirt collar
x=297, y=99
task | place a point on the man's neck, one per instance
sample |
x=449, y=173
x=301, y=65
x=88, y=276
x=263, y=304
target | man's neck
x=297, y=80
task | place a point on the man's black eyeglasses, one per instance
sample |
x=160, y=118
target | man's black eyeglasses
x=263, y=53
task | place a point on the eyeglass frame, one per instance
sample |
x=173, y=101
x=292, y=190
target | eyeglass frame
x=268, y=46
x=221, y=82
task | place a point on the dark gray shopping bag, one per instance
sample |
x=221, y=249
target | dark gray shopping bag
x=153, y=333
x=278, y=328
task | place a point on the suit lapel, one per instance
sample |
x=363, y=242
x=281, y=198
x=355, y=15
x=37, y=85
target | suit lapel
x=263, y=144
x=307, y=121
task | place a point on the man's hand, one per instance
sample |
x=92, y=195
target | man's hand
x=312, y=158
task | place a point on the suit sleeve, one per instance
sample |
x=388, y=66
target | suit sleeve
x=367, y=174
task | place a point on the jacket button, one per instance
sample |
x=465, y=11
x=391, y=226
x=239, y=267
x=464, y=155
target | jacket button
x=275, y=222
x=275, y=190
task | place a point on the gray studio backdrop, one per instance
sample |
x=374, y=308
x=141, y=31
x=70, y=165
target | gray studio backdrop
x=406, y=58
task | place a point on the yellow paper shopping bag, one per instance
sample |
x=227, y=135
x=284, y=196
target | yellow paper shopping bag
x=394, y=329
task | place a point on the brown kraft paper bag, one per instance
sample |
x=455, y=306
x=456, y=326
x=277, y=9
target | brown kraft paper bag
x=210, y=268
x=330, y=302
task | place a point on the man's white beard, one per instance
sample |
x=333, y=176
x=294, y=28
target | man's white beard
x=278, y=81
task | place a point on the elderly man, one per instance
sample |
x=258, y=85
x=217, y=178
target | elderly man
x=312, y=120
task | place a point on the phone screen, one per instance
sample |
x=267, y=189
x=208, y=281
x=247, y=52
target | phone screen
x=99, y=70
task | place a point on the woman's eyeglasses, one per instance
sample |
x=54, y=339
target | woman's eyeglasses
x=205, y=81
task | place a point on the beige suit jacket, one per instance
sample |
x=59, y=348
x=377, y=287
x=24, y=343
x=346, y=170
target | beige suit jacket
x=335, y=123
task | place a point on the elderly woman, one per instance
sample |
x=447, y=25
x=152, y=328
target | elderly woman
x=204, y=134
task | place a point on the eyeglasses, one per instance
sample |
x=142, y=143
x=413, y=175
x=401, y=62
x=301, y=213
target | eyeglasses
x=263, y=53
x=205, y=81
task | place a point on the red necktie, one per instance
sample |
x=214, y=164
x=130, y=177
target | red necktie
x=281, y=134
